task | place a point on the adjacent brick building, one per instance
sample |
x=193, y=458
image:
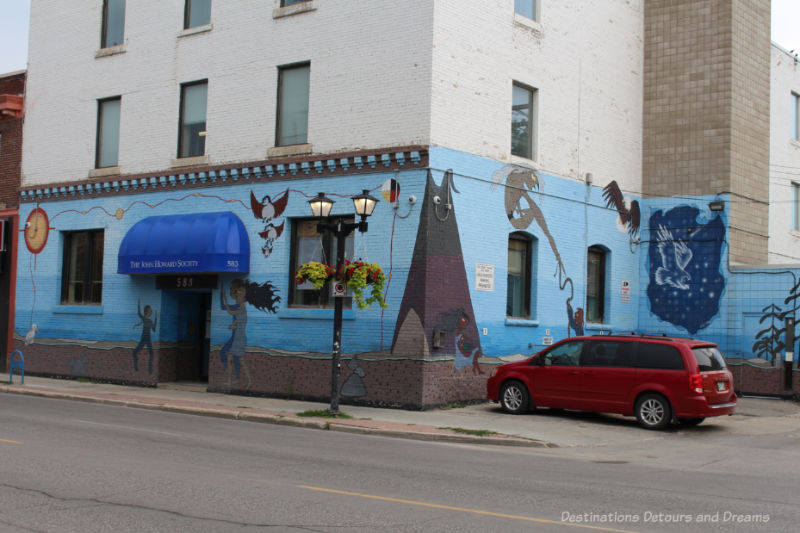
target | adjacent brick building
x=12, y=92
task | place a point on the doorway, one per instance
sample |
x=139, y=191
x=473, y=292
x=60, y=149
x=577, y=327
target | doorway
x=194, y=335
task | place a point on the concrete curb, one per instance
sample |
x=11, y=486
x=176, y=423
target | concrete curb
x=412, y=431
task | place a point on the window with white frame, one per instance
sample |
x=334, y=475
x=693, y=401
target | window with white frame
x=595, y=284
x=287, y=3
x=526, y=8
x=192, y=131
x=293, y=93
x=113, y=23
x=796, y=206
x=107, y=150
x=82, y=268
x=197, y=13
x=523, y=121
x=796, y=116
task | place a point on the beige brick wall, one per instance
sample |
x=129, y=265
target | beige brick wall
x=706, y=109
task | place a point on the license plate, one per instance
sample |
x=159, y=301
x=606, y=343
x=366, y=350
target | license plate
x=721, y=386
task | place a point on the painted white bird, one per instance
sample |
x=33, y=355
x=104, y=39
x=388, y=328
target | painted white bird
x=675, y=256
x=31, y=334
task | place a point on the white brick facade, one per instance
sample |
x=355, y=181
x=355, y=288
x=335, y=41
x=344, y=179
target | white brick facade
x=383, y=73
x=784, y=243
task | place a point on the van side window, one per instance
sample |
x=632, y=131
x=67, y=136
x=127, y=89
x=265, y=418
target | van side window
x=660, y=356
x=609, y=353
x=567, y=354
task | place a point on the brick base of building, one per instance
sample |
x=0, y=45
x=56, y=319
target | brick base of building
x=750, y=379
x=373, y=379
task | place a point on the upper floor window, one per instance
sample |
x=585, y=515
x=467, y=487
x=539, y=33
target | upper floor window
x=107, y=149
x=197, y=13
x=113, y=23
x=293, y=91
x=796, y=206
x=526, y=8
x=286, y=3
x=595, y=284
x=308, y=245
x=520, y=276
x=796, y=116
x=523, y=122
x=82, y=269
x=192, y=131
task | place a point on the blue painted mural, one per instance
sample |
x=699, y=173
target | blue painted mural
x=685, y=279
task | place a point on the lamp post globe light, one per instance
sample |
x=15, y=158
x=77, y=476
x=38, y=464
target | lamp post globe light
x=321, y=205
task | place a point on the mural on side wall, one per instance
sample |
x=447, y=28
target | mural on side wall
x=268, y=210
x=770, y=341
x=685, y=282
x=353, y=387
x=522, y=211
x=148, y=324
x=261, y=296
x=437, y=267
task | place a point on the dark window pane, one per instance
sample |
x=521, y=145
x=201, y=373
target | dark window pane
x=567, y=354
x=198, y=13
x=519, y=277
x=660, y=356
x=522, y=122
x=293, y=91
x=285, y=3
x=709, y=359
x=595, y=285
x=82, y=270
x=609, y=353
x=308, y=245
x=108, y=133
x=113, y=23
x=192, y=141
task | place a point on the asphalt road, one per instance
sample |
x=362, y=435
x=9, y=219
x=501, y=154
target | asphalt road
x=80, y=467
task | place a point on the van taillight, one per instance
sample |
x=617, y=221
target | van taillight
x=696, y=383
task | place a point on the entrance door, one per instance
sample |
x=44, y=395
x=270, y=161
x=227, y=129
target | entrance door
x=194, y=335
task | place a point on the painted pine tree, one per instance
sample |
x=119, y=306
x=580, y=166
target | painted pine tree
x=769, y=341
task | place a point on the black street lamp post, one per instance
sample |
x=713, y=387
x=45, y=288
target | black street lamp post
x=321, y=208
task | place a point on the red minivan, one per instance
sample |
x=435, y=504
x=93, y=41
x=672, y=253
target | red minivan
x=656, y=379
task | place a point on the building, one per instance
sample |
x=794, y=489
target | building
x=544, y=171
x=12, y=91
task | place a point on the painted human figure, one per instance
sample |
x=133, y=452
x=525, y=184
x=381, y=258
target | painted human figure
x=148, y=325
x=262, y=297
x=465, y=347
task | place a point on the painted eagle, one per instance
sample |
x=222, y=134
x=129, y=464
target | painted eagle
x=629, y=216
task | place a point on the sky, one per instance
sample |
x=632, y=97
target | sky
x=14, y=16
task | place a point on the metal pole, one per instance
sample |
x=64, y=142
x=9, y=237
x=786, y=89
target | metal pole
x=341, y=236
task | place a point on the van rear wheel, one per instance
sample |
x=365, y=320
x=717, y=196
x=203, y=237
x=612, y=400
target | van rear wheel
x=514, y=398
x=653, y=411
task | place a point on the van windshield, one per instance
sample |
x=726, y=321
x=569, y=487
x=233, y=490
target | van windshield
x=709, y=358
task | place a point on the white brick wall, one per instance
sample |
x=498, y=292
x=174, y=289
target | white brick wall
x=784, y=164
x=383, y=73
x=586, y=60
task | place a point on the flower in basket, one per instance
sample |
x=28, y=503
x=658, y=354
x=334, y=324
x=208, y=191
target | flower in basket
x=357, y=275
x=315, y=272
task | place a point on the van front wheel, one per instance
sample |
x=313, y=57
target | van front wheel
x=514, y=398
x=653, y=411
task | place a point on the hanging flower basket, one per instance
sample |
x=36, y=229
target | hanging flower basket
x=356, y=275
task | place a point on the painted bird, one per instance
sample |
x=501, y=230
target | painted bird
x=675, y=256
x=627, y=215
x=31, y=335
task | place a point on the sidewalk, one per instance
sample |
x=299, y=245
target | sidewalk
x=474, y=424
x=439, y=424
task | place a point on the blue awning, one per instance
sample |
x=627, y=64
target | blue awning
x=170, y=244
